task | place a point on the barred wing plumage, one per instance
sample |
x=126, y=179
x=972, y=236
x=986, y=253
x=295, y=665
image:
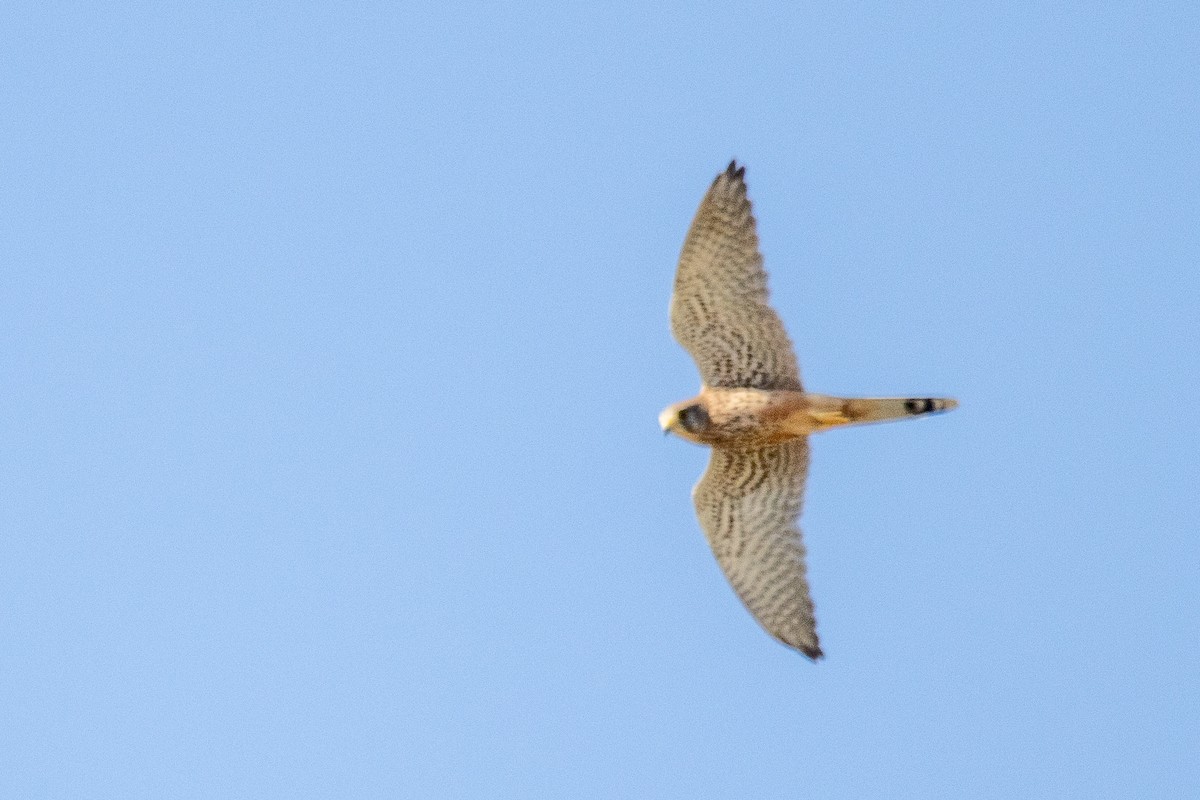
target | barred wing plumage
x=748, y=502
x=720, y=309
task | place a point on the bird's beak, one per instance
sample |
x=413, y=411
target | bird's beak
x=666, y=421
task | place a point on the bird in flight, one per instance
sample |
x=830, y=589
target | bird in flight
x=754, y=413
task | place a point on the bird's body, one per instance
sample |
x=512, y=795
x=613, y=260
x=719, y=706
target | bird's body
x=742, y=417
x=754, y=413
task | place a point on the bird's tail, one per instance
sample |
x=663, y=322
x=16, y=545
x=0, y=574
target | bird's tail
x=833, y=412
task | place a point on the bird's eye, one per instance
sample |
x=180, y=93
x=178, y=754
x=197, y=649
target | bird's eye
x=694, y=419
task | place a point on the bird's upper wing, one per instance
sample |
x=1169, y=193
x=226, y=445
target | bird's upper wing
x=748, y=502
x=720, y=309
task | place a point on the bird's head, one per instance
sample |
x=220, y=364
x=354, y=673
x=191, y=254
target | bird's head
x=688, y=420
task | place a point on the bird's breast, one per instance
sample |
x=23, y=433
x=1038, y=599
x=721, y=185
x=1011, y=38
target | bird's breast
x=755, y=417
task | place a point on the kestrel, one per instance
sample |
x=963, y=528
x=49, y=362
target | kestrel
x=754, y=413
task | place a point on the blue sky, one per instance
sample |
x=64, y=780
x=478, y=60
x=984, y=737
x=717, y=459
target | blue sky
x=334, y=336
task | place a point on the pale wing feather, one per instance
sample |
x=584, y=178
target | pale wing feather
x=748, y=502
x=720, y=310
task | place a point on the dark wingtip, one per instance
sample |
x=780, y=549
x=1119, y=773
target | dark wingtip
x=813, y=653
x=733, y=177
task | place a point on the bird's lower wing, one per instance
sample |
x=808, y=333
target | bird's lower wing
x=748, y=502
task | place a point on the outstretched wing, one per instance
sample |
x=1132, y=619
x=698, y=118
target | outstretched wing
x=748, y=502
x=720, y=311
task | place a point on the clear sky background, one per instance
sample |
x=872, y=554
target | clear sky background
x=334, y=336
